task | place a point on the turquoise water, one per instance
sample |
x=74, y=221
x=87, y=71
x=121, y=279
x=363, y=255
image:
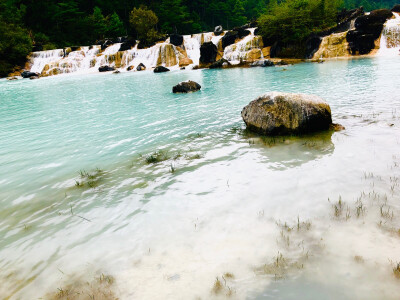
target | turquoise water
x=167, y=230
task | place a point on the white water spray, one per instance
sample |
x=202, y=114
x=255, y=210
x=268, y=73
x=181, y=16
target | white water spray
x=390, y=39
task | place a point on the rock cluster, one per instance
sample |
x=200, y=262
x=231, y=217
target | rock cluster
x=262, y=63
x=368, y=28
x=283, y=113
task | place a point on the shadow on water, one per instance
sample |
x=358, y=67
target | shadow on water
x=283, y=152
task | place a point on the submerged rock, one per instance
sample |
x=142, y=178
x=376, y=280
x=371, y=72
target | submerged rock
x=176, y=39
x=186, y=87
x=208, y=53
x=262, y=63
x=284, y=113
x=12, y=78
x=28, y=74
x=141, y=67
x=116, y=72
x=218, y=30
x=161, y=69
x=34, y=77
x=106, y=69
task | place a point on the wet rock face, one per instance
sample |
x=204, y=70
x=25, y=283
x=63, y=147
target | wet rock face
x=161, y=69
x=141, y=67
x=128, y=44
x=396, y=8
x=28, y=74
x=176, y=39
x=368, y=28
x=186, y=87
x=284, y=113
x=208, y=53
x=218, y=30
x=106, y=69
x=230, y=37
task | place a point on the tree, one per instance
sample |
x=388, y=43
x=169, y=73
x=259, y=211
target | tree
x=115, y=26
x=144, y=21
x=174, y=16
x=99, y=23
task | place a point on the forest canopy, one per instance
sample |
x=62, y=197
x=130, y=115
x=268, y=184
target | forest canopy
x=60, y=23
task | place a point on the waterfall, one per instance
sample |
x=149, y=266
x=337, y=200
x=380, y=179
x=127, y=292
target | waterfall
x=247, y=49
x=390, y=39
x=89, y=59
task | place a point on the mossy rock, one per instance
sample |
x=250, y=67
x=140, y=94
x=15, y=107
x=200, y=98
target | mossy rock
x=285, y=114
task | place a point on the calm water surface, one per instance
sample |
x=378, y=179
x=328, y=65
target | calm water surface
x=223, y=201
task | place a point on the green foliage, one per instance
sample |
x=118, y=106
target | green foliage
x=62, y=23
x=15, y=41
x=144, y=21
x=294, y=20
x=99, y=23
x=115, y=27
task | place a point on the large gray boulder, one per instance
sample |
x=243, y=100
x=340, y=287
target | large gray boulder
x=284, y=113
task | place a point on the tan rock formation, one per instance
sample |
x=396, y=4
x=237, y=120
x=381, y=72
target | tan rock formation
x=334, y=45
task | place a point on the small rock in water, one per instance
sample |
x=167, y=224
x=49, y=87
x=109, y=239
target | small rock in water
x=161, y=69
x=337, y=127
x=262, y=63
x=186, y=87
x=106, y=69
x=116, y=72
x=28, y=74
x=219, y=64
x=130, y=68
x=34, y=77
x=284, y=113
x=12, y=78
x=141, y=67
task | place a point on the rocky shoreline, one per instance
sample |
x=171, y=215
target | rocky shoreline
x=357, y=34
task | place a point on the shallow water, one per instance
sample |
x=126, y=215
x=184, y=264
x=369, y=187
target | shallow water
x=218, y=204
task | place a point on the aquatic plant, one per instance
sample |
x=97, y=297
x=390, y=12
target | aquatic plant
x=101, y=287
x=157, y=157
x=90, y=179
x=396, y=270
x=194, y=156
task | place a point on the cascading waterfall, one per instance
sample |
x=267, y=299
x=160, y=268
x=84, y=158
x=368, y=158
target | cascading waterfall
x=247, y=49
x=390, y=39
x=89, y=59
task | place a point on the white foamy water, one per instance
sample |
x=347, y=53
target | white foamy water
x=390, y=39
x=89, y=59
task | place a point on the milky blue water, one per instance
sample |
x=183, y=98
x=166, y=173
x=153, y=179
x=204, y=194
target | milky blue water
x=167, y=230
